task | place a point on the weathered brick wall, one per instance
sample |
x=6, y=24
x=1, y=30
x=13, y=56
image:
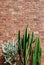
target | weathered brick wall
x=16, y=14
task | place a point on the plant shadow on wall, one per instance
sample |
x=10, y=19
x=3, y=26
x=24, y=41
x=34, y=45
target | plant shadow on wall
x=26, y=51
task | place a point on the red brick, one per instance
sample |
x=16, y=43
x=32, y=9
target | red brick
x=42, y=44
x=15, y=15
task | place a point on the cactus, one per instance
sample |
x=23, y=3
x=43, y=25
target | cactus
x=25, y=45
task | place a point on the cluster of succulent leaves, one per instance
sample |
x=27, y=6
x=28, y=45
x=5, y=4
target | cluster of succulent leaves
x=10, y=53
x=25, y=48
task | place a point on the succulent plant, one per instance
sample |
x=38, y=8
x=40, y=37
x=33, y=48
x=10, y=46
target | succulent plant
x=25, y=48
x=10, y=53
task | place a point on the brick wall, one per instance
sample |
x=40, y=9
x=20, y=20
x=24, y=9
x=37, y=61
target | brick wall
x=16, y=14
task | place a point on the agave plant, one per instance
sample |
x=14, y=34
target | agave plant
x=10, y=53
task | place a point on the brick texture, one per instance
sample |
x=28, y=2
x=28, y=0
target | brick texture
x=16, y=14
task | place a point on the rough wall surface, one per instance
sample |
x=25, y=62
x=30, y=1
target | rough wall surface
x=16, y=14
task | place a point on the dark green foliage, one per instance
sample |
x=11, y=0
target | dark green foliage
x=25, y=47
x=24, y=43
x=19, y=45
